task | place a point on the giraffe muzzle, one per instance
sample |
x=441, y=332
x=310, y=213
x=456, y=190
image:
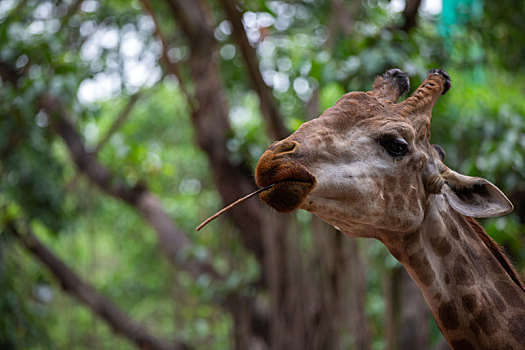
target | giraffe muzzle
x=293, y=182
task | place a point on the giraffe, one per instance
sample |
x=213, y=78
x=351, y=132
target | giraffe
x=366, y=166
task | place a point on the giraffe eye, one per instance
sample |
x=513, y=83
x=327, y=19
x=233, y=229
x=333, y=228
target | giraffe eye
x=394, y=146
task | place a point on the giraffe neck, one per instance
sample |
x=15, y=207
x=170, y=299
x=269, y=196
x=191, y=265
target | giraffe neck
x=477, y=301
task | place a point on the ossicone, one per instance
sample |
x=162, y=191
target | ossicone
x=418, y=107
x=391, y=85
x=446, y=77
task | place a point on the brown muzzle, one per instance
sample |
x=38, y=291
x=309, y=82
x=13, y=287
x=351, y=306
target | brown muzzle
x=293, y=181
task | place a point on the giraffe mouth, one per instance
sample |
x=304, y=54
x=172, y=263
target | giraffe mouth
x=287, y=195
x=291, y=187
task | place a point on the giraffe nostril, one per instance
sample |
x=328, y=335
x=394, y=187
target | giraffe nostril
x=286, y=147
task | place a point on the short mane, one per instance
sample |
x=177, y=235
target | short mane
x=496, y=251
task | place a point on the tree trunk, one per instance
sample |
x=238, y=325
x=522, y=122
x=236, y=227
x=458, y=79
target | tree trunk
x=408, y=315
x=317, y=294
x=306, y=289
x=359, y=326
x=415, y=315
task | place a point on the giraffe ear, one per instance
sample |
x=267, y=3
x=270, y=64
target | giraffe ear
x=474, y=196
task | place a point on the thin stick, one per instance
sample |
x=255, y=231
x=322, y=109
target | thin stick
x=222, y=211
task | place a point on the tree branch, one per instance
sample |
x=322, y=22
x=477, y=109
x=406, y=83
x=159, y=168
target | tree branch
x=71, y=10
x=171, y=239
x=270, y=111
x=210, y=119
x=171, y=66
x=16, y=135
x=87, y=295
x=341, y=19
x=117, y=124
x=9, y=74
x=410, y=14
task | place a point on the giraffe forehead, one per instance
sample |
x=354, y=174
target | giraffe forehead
x=355, y=106
x=364, y=107
x=360, y=109
x=327, y=129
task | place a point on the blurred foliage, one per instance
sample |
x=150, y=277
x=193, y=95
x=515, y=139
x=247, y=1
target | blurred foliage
x=21, y=280
x=95, y=58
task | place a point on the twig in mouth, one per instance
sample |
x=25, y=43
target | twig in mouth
x=240, y=200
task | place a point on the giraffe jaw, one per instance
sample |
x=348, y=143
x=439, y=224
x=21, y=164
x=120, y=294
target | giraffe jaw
x=287, y=195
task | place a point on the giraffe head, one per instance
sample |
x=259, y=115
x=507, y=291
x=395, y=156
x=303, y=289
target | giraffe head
x=366, y=164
